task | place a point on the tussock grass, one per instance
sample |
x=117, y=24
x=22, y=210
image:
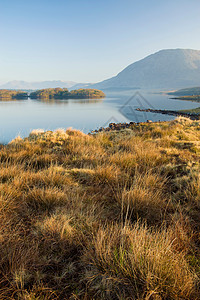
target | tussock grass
x=136, y=262
x=113, y=215
x=146, y=198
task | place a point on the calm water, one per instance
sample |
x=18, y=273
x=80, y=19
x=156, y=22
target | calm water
x=21, y=117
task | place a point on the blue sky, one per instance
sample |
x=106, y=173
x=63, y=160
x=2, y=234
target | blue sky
x=89, y=40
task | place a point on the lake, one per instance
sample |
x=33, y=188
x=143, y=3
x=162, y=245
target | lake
x=22, y=116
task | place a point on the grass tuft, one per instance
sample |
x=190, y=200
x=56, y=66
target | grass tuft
x=114, y=215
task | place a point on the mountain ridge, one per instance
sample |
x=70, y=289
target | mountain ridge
x=20, y=84
x=167, y=68
x=164, y=69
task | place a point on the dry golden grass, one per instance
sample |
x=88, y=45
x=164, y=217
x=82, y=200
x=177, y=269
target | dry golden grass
x=136, y=262
x=108, y=216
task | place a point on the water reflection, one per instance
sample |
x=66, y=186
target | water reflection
x=19, y=117
x=87, y=101
x=52, y=101
x=67, y=101
x=5, y=101
x=10, y=100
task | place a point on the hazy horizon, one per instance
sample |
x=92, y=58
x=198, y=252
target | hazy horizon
x=74, y=83
x=89, y=41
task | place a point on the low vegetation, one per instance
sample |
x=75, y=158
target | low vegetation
x=59, y=93
x=192, y=110
x=11, y=94
x=188, y=94
x=189, y=98
x=113, y=215
x=194, y=91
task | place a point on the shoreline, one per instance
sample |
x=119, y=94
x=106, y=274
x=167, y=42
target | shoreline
x=192, y=116
x=126, y=125
x=121, y=126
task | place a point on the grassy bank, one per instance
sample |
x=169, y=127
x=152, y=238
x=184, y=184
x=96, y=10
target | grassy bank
x=108, y=216
x=193, y=110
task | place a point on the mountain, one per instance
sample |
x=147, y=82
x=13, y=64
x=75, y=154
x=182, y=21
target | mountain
x=24, y=85
x=80, y=86
x=173, y=68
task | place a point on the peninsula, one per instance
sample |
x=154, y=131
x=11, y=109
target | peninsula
x=188, y=94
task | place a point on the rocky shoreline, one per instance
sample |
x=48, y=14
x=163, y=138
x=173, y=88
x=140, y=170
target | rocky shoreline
x=192, y=116
x=120, y=126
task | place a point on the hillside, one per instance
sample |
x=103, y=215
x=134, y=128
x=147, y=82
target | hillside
x=194, y=91
x=187, y=94
x=108, y=216
x=173, y=68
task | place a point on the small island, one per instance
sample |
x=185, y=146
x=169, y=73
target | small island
x=13, y=95
x=59, y=93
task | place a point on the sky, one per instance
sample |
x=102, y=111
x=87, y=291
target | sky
x=89, y=40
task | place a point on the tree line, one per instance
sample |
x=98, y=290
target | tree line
x=52, y=93
x=59, y=93
x=11, y=94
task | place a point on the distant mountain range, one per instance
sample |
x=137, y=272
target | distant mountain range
x=166, y=69
x=24, y=85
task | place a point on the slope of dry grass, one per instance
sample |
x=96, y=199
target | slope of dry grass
x=108, y=216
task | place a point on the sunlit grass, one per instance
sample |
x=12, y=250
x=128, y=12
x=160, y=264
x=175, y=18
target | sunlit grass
x=113, y=215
